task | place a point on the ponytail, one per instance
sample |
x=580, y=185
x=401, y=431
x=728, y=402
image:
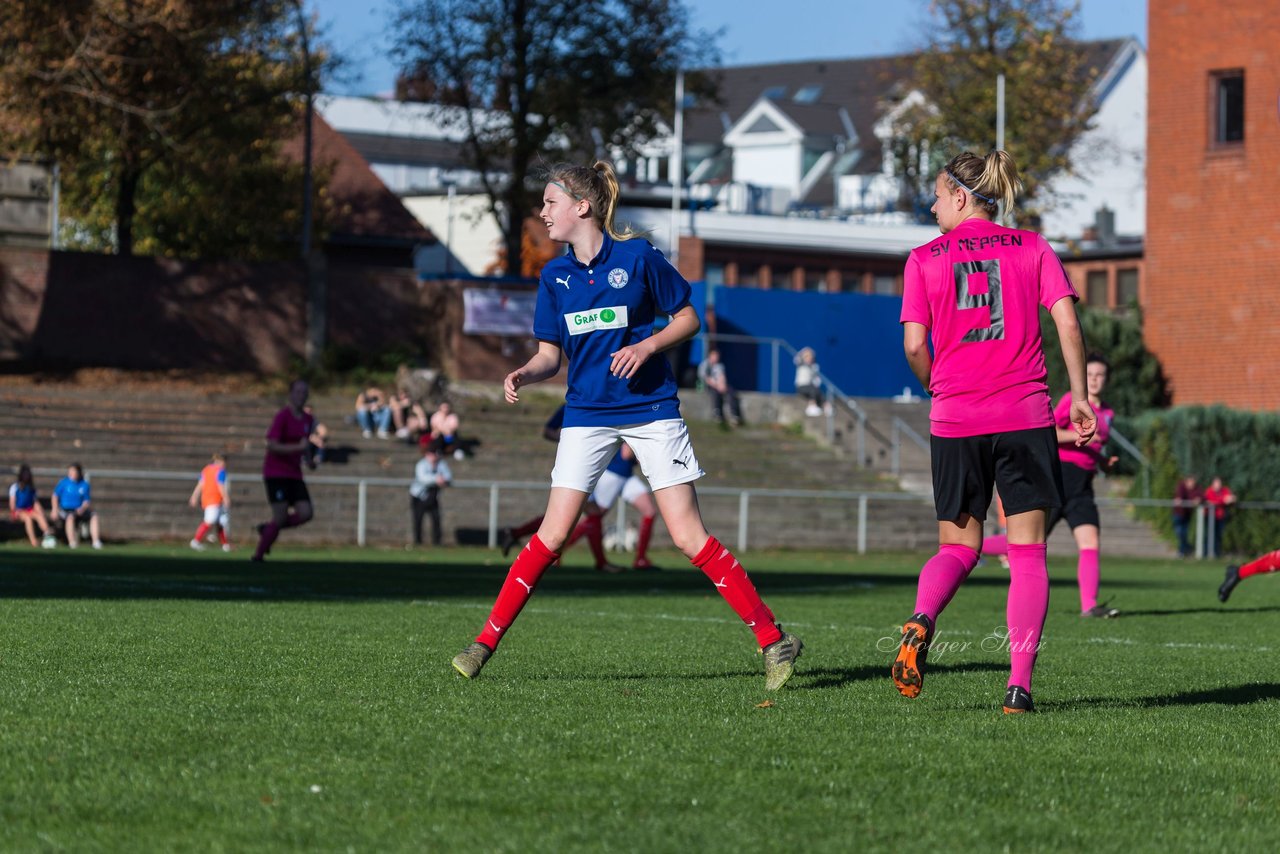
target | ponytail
x=992, y=181
x=598, y=185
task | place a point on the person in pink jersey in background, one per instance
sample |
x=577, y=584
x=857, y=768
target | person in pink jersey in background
x=288, y=445
x=1080, y=464
x=976, y=293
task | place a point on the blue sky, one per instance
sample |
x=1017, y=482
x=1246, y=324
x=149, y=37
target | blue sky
x=755, y=31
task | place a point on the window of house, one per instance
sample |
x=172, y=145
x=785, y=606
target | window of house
x=1095, y=288
x=807, y=94
x=774, y=93
x=1228, y=107
x=1127, y=286
x=815, y=280
x=851, y=281
x=748, y=275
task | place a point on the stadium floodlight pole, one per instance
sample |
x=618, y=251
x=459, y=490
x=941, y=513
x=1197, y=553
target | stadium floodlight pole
x=316, y=315
x=999, y=111
x=677, y=168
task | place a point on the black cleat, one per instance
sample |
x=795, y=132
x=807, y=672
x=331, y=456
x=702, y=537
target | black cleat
x=1229, y=583
x=1018, y=701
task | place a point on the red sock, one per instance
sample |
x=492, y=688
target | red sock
x=719, y=564
x=529, y=565
x=595, y=539
x=291, y=521
x=1269, y=562
x=642, y=543
x=201, y=531
x=222, y=535
x=530, y=527
x=579, y=531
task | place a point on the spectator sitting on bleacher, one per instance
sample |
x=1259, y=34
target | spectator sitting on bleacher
x=408, y=416
x=72, y=504
x=444, y=431
x=372, y=412
x=24, y=504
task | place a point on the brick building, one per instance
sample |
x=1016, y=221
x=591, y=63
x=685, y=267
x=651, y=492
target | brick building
x=1211, y=291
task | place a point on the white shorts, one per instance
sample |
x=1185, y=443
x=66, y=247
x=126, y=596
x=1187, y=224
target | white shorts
x=611, y=484
x=215, y=515
x=662, y=448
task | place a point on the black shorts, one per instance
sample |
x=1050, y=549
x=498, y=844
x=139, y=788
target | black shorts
x=1022, y=463
x=286, y=490
x=1080, y=508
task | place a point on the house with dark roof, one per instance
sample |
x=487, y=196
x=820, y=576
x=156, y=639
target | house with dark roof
x=790, y=179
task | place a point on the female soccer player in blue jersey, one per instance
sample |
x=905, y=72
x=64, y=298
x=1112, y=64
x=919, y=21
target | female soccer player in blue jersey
x=596, y=305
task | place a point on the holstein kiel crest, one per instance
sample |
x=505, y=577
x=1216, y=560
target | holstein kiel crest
x=618, y=278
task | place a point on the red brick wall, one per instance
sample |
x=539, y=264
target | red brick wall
x=1212, y=279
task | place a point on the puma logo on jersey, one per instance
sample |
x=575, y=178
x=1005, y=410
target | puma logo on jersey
x=564, y=281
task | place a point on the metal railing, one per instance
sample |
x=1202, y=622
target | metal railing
x=833, y=393
x=900, y=429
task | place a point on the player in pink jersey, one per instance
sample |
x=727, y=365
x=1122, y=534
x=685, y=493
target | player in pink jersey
x=975, y=293
x=1080, y=463
x=288, y=443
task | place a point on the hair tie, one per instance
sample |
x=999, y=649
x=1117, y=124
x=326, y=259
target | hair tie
x=952, y=176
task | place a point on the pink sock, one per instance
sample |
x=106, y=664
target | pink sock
x=1087, y=576
x=996, y=544
x=1028, y=603
x=940, y=578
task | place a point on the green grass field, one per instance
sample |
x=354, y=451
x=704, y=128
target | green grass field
x=154, y=699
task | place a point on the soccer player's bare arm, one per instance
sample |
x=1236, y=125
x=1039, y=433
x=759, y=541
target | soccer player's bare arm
x=1071, y=339
x=915, y=344
x=542, y=365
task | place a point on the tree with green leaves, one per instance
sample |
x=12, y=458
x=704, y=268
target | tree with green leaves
x=1135, y=382
x=1047, y=93
x=166, y=118
x=534, y=80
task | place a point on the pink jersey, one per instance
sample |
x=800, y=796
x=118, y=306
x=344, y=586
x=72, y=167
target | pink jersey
x=1090, y=455
x=286, y=428
x=978, y=289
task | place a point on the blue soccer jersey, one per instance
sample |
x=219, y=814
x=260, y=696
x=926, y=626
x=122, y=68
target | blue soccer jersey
x=621, y=465
x=71, y=493
x=593, y=310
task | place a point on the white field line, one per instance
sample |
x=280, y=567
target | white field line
x=179, y=586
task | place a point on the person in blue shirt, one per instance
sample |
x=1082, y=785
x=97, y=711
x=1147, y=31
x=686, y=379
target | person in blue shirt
x=72, y=504
x=24, y=505
x=597, y=305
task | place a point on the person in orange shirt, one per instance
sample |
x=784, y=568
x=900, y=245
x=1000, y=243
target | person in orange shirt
x=211, y=491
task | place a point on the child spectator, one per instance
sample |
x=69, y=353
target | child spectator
x=408, y=416
x=212, y=495
x=72, y=504
x=444, y=431
x=712, y=374
x=24, y=504
x=430, y=475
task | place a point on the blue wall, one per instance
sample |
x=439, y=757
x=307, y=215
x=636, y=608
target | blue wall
x=857, y=339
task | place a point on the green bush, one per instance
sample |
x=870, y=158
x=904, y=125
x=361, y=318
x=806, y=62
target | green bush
x=1136, y=382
